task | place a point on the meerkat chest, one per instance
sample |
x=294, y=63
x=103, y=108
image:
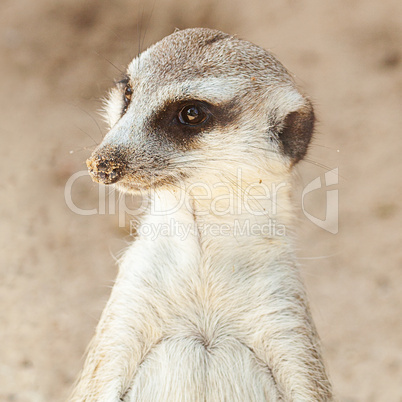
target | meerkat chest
x=199, y=311
x=187, y=290
x=185, y=368
x=195, y=298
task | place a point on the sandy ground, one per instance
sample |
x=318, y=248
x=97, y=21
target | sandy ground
x=57, y=267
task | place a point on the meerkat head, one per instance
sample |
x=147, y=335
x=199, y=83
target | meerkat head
x=201, y=101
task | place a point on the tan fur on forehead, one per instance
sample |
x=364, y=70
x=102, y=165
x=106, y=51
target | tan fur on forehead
x=192, y=53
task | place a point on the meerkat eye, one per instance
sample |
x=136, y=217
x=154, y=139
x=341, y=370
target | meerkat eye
x=192, y=115
x=128, y=93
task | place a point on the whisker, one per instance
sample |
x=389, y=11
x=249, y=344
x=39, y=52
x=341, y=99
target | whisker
x=314, y=144
x=313, y=162
x=88, y=114
x=106, y=59
x=148, y=21
x=83, y=131
x=139, y=24
x=82, y=149
x=319, y=257
x=322, y=166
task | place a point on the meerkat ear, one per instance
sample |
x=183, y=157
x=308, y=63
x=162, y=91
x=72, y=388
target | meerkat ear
x=296, y=132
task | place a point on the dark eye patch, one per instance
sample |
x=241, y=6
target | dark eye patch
x=165, y=125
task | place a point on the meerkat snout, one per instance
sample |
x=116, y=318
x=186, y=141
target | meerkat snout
x=105, y=168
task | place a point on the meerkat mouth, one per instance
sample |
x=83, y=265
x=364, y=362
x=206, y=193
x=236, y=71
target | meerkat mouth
x=141, y=186
x=131, y=187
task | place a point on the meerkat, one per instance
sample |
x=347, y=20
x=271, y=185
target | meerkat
x=204, y=120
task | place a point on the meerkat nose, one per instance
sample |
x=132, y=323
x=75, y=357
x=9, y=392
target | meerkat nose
x=104, y=170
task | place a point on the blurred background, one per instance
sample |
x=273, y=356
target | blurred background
x=57, y=59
